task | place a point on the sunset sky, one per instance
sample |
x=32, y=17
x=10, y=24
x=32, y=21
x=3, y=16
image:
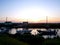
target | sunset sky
x=30, y=10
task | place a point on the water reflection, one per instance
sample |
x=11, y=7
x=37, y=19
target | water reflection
x=12, y=31
x=33, y=31
x=58, y=33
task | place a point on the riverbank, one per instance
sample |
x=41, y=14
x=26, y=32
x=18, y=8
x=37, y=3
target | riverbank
x=6, y=39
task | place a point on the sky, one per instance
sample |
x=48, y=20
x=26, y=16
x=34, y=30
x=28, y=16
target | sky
x=30, y=10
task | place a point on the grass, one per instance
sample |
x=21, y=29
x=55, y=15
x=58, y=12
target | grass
x=5, y=40
x=52, y=41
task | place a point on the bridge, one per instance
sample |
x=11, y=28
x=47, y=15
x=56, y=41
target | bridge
x=30, y=25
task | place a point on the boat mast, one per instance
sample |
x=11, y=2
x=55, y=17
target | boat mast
x=6, y=19
x=46, y=22
x=46, y=19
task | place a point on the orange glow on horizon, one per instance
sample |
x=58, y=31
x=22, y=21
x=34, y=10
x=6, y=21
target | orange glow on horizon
x=32, y=20
x=50, y=20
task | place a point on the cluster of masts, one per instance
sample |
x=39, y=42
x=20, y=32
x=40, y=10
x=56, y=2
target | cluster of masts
x=27, y=21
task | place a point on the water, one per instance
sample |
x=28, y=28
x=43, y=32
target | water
x=33, y=31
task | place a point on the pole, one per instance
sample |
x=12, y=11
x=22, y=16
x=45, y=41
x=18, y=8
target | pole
x=47, y=22
x=6, y=19
x=46, y=19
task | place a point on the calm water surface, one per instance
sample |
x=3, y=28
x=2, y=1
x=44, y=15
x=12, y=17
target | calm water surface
x=34, y=31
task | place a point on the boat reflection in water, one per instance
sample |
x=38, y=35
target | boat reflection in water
x=24, y=31
x=50, y=33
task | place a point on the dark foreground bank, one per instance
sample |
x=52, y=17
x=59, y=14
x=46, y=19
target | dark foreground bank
x=27, y=39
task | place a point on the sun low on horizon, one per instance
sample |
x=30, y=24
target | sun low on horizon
x=30, y=10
